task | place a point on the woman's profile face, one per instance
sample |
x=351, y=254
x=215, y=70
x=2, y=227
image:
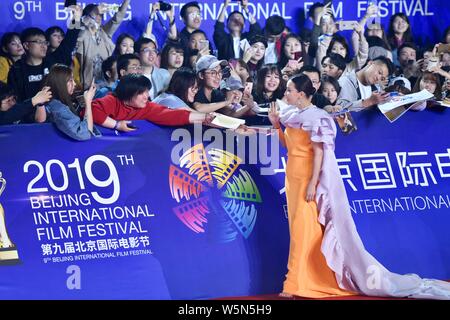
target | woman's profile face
x=291, y=94
x=242, y=72
x=139, y=101
x=15, y=48
x=55, y=39
x=192, y=91
x=71, y=85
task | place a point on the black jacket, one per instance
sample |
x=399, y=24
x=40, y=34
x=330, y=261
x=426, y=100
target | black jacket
x=224, y=40
x=21, y=112
x=26, y=80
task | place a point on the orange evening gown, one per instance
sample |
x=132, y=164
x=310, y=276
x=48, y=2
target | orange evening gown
x=308, y=273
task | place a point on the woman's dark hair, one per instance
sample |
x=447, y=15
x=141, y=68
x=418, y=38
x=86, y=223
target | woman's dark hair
x=430, y=77
x=181, y=81
x=340, y=39
x=303, y=84
x=6, y=91
x=119, y=40
x=165, y=53
x=274, y=25
x=283, y=58
x=57, y=80
x=336, y=59
x=107, y=66
x=332, y=81
x=259, y=91
x=88, y=9
x=242, y=64
x=187, y=57
x=257, y=38
x=52, y=30
x=7, y=38
x=132, y=85
x=384, y=39
x=407, y=36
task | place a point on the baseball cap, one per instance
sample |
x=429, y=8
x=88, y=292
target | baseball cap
x=231, y=84
x=402, y=80
x=209, y=62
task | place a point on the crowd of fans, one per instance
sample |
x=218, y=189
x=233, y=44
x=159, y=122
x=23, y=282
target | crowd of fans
x=80, y=78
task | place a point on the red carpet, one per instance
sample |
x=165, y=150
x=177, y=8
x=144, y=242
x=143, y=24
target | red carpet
x=275, y=297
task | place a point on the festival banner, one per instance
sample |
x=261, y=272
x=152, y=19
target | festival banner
x=198, y=213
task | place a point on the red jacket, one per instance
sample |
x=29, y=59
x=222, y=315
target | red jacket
x=112, y=107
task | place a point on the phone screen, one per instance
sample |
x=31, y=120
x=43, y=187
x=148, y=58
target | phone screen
x=248, y=87
x=347, y=25
x=297, y=55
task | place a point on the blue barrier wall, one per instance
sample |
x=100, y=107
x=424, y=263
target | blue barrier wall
x=116, y=218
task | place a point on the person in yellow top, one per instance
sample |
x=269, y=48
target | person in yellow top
x=11, y=50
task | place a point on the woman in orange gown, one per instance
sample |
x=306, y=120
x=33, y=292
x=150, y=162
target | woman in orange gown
x=326, y=255
x=308, y=273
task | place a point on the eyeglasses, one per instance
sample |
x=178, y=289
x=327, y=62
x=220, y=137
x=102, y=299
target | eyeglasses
x=136, y=68
x=194, y=15
x=39, y=42
x=214, y=73
x=149, y=50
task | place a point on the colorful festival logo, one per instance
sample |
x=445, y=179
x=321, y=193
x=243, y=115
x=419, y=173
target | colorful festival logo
x=8, y=251
x=216, y=197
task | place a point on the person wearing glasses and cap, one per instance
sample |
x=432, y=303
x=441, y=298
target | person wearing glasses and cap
x=95, y=42
x=26, y=75
x=209, y=72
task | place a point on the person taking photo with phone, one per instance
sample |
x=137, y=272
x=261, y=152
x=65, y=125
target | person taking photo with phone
x=232, y=45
